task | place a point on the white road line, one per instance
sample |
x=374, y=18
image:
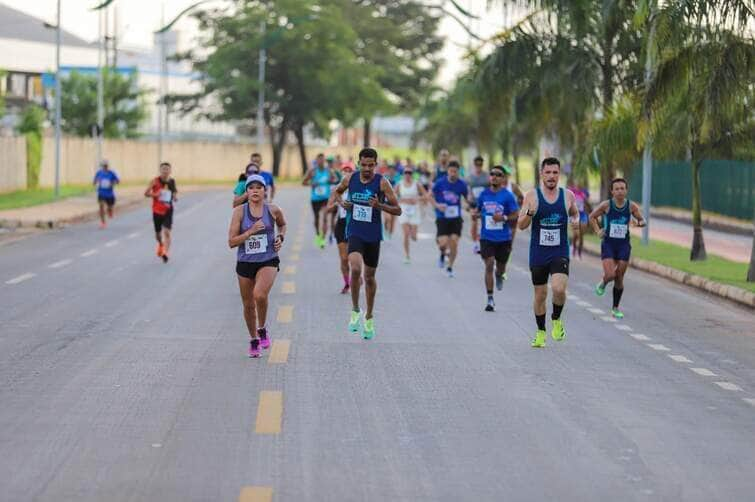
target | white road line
x=20, y=278
x=623, y=327
x=608, y=318
x=703, y=372
x=658, y=346
x=110, y=244
x=61, y=263
x=679, y=359
x=642, y=338
x=132, y=235
x=749, y=400
x=86, y=254
x=595, y=311
x=573, y=297
x=583, y=303
x=729, y=386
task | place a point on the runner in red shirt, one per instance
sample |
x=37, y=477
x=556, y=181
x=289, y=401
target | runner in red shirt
x=163, y=192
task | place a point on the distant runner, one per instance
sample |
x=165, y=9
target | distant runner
x=252, y=231
x=478, y=181
x=320, y=178
x=448, y=192
x=105, y=181
x=256, y=158
x=164, y=194
x=339, y=231
x=410, y=193
x=616, y=247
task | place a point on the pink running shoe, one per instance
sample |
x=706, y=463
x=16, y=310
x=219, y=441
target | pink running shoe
x=254, y=348
x=264, y=339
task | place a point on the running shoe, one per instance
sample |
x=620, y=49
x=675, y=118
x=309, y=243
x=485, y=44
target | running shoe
x=322, y=242
x=600, y=289
x=558, y=332
x=165, y=257
x=539, y=340
x=618, y=314
x=499, y=281
x=354, y=321
x=407, y=260
x=450, y=273
x=368, y=331
x=160, y=250
x=103, y=225
x=442, y=261
x=254, y=348
x=490, y=307
x=345, y=289
x=264, y=339
x=330, y=239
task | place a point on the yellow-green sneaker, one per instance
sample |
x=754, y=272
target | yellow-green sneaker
x=356, y=316
x=558, y=332
x=539, y=340
x=368, y=331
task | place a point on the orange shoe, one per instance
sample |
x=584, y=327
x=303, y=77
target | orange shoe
x=160, y=250
x=102, y=225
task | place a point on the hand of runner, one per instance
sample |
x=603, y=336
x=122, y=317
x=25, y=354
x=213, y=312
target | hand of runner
x=601, y=232
x=441, y=206
x=475, y=213
x=499, y=217
x=639, y=223
x=347, y=204
x=278, y=243
x=374, y=202
x=259, y=226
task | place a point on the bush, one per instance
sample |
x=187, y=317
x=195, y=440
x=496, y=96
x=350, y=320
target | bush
x=30, y=126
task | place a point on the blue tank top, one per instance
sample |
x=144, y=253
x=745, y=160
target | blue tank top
x=616, y=222
x=320, y=185
x=550, y=236
x=362, y=220
x=259, y=247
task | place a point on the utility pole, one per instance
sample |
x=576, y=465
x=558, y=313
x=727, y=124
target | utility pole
x=647, y=154
x=261, y=92
x=58, y=99
x=160, y=91
x=100, y=90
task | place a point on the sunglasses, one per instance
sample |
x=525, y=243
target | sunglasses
x=497, y=174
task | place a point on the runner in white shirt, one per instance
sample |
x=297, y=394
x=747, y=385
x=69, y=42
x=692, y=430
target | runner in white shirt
x=410, y=193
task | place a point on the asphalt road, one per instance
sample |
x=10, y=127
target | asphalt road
x=122, y=378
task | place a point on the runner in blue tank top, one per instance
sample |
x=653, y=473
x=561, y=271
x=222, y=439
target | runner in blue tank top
x=496, y=207
x=615, y=247
x=550, y=209
x=369, y=195
x=252, y=231
x=320, y=177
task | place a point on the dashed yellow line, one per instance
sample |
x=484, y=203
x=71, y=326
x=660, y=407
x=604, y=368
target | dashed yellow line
x=289, y=270
x=293, y=257
x=269, y=412
x=256, y=494
x=296, y=248
x=285, y=313
x=288, y=288
x=279, y=352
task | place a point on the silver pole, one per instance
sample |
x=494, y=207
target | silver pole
x=58, y=99
x=261, y=92
x=160, y=92
x=100, y=91
x=647, y=154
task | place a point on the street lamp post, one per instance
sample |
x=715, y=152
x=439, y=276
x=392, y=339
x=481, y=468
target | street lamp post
x=261, y=92
x=647, y=154
x=100, y=91
x=58, y=99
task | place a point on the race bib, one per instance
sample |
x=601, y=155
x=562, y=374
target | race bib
x=617, y=231
x=256, y=244
x=491, y=224
x=451, y=212
x=550, y=237
x=410, y=209
x=362, y=213
x=165, y=195
x=476, y=191
x=321, y=190
x=105, y=183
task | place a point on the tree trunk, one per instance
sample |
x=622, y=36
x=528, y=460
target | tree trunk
x=607, y=172
x=278, y=140
x=751, y=270
x=536, y=169
x=698, y=244
x=367, y=132
x=299, y=133
x=515, y=160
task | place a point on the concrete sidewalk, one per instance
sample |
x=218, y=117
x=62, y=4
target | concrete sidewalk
x=82, y=208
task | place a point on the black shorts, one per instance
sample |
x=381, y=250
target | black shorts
x=163, y=220
x=556, y=266
x=339, y=231
x=448, y=226
x=370, y=251
x=250, y=269
x=317, y=206
x=110, y=201
x=500, y=250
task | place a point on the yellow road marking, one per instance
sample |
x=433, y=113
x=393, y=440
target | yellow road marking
x=285, y=313
x=296, y=248
x=288, y=288
x=289, y=270
x=269, y=412
x=293, y=257
x=256, y=494
x=279, y=351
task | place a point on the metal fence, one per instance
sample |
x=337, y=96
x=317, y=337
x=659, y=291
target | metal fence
x=727, y=186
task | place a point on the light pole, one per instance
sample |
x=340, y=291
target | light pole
x=647, y=154
x=58, y=99
x=261, y=92
x=100, y=90
x=161, y=90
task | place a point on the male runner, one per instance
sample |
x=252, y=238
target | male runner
x=256, y=158
x=370, y=194
x=582, y=196
x=252, y=230
x=616, y=247
x=239, y=192
x=164, y=194
x=495, y=207
x=441, y=166
x=105, y=180
x=478, y=181
x=339, y=231
x=518, y=195
x=389, y=221
x=319, y=178
x=448, y=192
x=549, y=209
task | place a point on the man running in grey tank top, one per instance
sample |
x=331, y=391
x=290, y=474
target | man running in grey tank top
x=478, y=181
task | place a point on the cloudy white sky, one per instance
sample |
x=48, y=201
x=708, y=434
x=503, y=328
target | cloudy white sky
x=137, y=19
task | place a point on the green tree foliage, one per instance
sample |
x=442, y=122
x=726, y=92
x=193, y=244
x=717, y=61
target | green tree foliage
x=125, y=107
x=31, y=126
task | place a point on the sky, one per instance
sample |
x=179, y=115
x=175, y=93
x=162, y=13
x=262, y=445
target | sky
x=137, y=19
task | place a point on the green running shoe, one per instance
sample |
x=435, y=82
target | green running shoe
x=558, y=332
x=368, y=331
x=600, y=289
x=354, y=321
x=539, y=340
x=618, y=314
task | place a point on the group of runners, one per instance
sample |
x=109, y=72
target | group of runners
x=353, y=200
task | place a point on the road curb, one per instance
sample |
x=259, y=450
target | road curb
x=60, y=222
x=732, y=293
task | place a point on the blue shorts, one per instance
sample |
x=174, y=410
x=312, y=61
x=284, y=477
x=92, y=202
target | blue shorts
x=583, y=218
x=613, y=250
